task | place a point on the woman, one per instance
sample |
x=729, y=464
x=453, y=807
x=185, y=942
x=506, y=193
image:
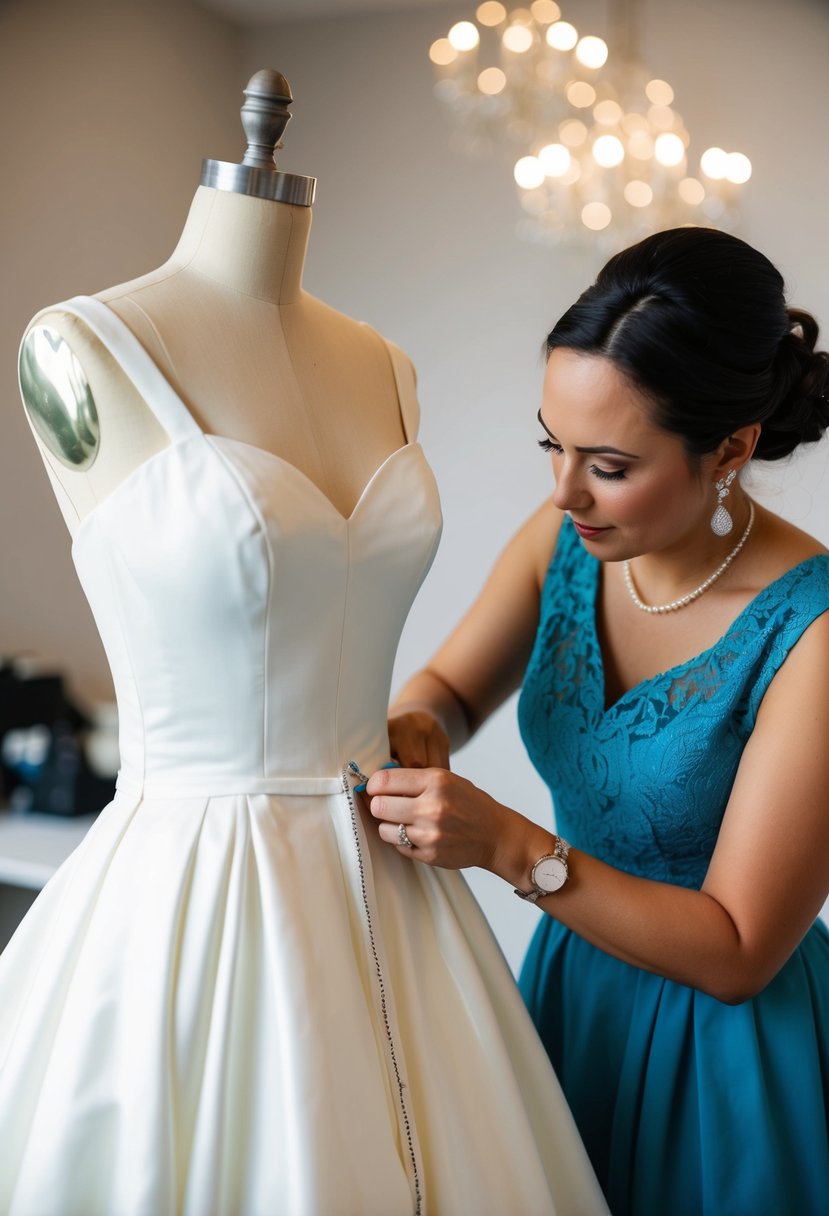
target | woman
x=675, y=637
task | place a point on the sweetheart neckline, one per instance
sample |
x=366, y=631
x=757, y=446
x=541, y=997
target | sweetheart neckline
x=215, y=442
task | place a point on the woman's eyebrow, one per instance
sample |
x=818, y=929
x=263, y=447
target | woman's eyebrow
x=590, y=451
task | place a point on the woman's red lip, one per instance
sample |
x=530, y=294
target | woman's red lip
x=584, y=530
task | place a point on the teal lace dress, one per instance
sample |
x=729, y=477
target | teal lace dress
x=687, y=1106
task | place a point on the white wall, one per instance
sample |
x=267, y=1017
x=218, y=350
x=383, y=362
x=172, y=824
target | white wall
x=414, y=238
x=108, y=107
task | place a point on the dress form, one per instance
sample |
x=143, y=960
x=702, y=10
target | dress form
x=227, y=321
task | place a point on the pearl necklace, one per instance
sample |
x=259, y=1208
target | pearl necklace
x=675, y=605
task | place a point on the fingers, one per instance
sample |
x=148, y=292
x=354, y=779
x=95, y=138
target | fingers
x=390, y=833
x=403, y=782
x=393, y=810
x=437, y=752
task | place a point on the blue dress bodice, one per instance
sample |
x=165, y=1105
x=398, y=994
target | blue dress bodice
x=643, y=784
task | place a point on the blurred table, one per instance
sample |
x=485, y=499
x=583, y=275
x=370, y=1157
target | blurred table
x=31, y=849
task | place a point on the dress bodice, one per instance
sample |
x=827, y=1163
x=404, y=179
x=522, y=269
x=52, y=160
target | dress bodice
x=251, y=628
x=643, y=784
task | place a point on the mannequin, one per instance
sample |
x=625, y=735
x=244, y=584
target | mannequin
x=234, y=997
x=227, y=322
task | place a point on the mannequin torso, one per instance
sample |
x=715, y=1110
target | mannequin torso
x=253, y=355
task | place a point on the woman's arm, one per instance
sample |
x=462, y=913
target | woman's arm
x=768, y=876
x=484, y=658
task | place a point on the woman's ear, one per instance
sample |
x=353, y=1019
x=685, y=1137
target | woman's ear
x=736, y=450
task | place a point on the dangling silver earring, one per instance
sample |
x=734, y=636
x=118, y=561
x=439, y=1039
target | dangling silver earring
x=721, y=521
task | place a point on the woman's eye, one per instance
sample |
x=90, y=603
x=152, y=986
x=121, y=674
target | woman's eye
x=606, y=475
x=547, y=445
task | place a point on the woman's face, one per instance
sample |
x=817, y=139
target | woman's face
x=627, y=484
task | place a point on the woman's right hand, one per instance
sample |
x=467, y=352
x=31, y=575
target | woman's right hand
x=417, y=739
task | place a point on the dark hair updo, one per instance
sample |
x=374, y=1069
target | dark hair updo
x=697, y=320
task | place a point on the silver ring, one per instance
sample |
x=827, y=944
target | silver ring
x=403, y=838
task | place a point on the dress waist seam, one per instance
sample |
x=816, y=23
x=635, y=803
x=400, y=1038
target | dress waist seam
x=135, y=787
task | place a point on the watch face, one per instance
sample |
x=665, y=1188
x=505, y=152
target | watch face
x=550, y=874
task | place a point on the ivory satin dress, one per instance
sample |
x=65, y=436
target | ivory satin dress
x=233, y=999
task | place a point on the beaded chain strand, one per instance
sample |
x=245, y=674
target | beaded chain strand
x=684, y=600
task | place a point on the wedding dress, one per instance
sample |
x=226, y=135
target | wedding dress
x=233, y=998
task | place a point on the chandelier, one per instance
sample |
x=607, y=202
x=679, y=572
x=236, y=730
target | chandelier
x=599, y=151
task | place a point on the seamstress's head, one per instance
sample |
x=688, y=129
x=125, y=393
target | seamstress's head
x=696, y=319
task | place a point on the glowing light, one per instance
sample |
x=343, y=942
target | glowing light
x=634, y=122
x=608, y=151
x=464, y=36
x=562, y=36
x=691, y=191
x=738, y=168
x=491, y=13
x=442, y=52
x=592, y=52
x=714, y=163
x=534, y=202
x=572, y=132
x=659, y=92
x=517, y=38
x=491, y=81
x=662, y=117
x=638, y=194
x=596, y=216
x=581, y=94
x=545, y=11
x=607, y=113
x=529, y=173
x=555, y=160
x=669, y=149
x=640, y=145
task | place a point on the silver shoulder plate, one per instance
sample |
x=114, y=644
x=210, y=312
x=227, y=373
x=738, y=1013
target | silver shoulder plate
x=58, y=398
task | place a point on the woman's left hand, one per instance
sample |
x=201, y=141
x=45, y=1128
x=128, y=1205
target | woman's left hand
x=449, y=821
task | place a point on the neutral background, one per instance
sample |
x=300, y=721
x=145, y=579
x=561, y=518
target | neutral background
x=109, y=107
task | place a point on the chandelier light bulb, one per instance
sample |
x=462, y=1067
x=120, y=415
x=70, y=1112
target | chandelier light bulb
x=442, y=52
x=608, y=151
x=581, y=94
x=464, y=36
x=669, y=149
x=659, y=92
x=638, y=194
x=491, y=81
x=640, y=145
x=607, y=113
x=592, y=52
x=555, y=160
x=545, y=11
x=662, y=117
x=738, y=168
x=517, y=38
x=691, y=191
x=572, y=132
x=491, y=13
x=562, y=36
x=714, y=163
x=596, y=216
x=529, y=173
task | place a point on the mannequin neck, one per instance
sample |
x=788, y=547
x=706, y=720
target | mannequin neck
x=250, y=245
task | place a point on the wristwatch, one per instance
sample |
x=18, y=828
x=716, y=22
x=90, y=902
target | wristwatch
x=549, y=873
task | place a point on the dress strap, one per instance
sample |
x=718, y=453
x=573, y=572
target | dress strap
x=404, y=378
x=122, y=344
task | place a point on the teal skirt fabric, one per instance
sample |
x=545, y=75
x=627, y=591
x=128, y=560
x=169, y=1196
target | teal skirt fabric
x=687, y=1106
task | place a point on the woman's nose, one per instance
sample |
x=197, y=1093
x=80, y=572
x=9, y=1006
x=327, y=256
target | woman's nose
x=570, y=491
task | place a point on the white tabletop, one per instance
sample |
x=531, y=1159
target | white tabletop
x=32, y=846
